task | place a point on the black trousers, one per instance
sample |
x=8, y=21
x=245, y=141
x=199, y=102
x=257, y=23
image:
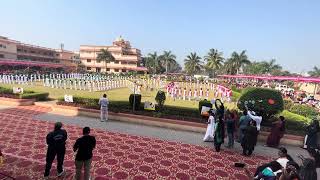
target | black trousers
x=52, y=152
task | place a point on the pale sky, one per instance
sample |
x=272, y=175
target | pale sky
x=287, y=30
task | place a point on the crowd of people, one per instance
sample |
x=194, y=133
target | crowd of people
x=247, y=129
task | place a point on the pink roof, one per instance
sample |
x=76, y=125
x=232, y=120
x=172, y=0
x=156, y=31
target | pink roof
x=296, y=78
x=31, y=63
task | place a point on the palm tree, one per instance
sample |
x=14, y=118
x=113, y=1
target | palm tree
x=105, y=56
x=229, y=67
x=193, y=64
x=315, y=72
x=153, y=63
x=214, y=60
x=168, y=59
x=239, y=60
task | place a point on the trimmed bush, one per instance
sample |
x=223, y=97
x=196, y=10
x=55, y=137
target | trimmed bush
x=39, y=96
x=304, y=110
x=160, y=98
x=205, y=103
x=268, y=101
x=295, y=124
x=137, y=101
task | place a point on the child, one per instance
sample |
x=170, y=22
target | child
x=230, y=129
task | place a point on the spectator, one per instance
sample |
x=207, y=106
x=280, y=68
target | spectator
x=257, y=117
x=308, y=169
x=243, y=123
x=311, y=137
x=277, y=133
x=250, y=138
x=275, y=166
x=56, y=141
x=230, y=129
x=104, y=102
x=84, y=147
x=1, y=158
x=219, y=134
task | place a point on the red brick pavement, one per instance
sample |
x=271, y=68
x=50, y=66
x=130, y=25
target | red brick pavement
x=117, y=156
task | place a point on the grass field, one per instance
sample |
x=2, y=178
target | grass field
x=121, y=94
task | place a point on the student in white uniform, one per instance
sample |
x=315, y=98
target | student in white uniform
x=104, y=102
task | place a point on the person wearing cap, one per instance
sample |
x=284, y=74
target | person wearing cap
x=84, y=147
x=56, y=141
x=104, y=102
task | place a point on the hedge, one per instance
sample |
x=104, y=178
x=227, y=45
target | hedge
x=295, y=124
x=304, y=110
x=39, y=96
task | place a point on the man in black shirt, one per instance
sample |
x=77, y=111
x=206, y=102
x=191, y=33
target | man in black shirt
x=56, y=141
x=84, y=145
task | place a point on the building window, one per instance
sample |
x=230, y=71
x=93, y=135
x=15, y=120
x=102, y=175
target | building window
x=1, y=55
x=88, y=60
x=98, y=61
x=19, y=50
x=116, y=62
x=116, y=70
x=98, y=69
x=88, y=68
x=108, y=69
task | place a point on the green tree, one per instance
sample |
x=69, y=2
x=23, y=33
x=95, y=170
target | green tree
x=214, y=61
x=315, y=72
x=238, y=61
x=106, y=56
x=263, y=67
x=153, y=63
x=168, y=60
x=193, y=64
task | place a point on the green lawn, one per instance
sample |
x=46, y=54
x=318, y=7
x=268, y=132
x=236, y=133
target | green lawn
x=121, y=94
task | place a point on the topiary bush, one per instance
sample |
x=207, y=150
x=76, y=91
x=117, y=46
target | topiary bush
x=39, y=96
x=267, y=101
x=304, y=110
x=205, y=103
x=137, y=100
x=160, y=98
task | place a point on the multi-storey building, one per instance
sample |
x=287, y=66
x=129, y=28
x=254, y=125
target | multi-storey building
x=15, y=53
x=126, y=58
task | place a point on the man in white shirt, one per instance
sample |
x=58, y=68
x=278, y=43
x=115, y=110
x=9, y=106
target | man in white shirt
x=104, y=102
x=256, y=117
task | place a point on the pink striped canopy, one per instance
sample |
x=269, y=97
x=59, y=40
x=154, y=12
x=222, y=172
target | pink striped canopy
x=290, y=78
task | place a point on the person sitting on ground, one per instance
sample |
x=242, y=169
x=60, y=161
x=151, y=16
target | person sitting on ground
x=249, y=140
x=277, y=165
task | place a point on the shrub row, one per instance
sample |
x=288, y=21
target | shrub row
x=39, y=96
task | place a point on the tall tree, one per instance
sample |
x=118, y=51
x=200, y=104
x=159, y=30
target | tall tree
x=153, y=63
x=106, y=56
x=214, y=61
x=239, y=60
x=263, y=67
x=168, y=60
x=193, y=64
x=315, y=72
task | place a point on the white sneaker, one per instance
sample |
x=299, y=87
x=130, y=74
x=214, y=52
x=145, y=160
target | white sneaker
x=62, y=173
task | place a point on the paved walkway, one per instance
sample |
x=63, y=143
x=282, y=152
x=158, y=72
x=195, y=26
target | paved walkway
x=158, y=132
x=125, y=150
